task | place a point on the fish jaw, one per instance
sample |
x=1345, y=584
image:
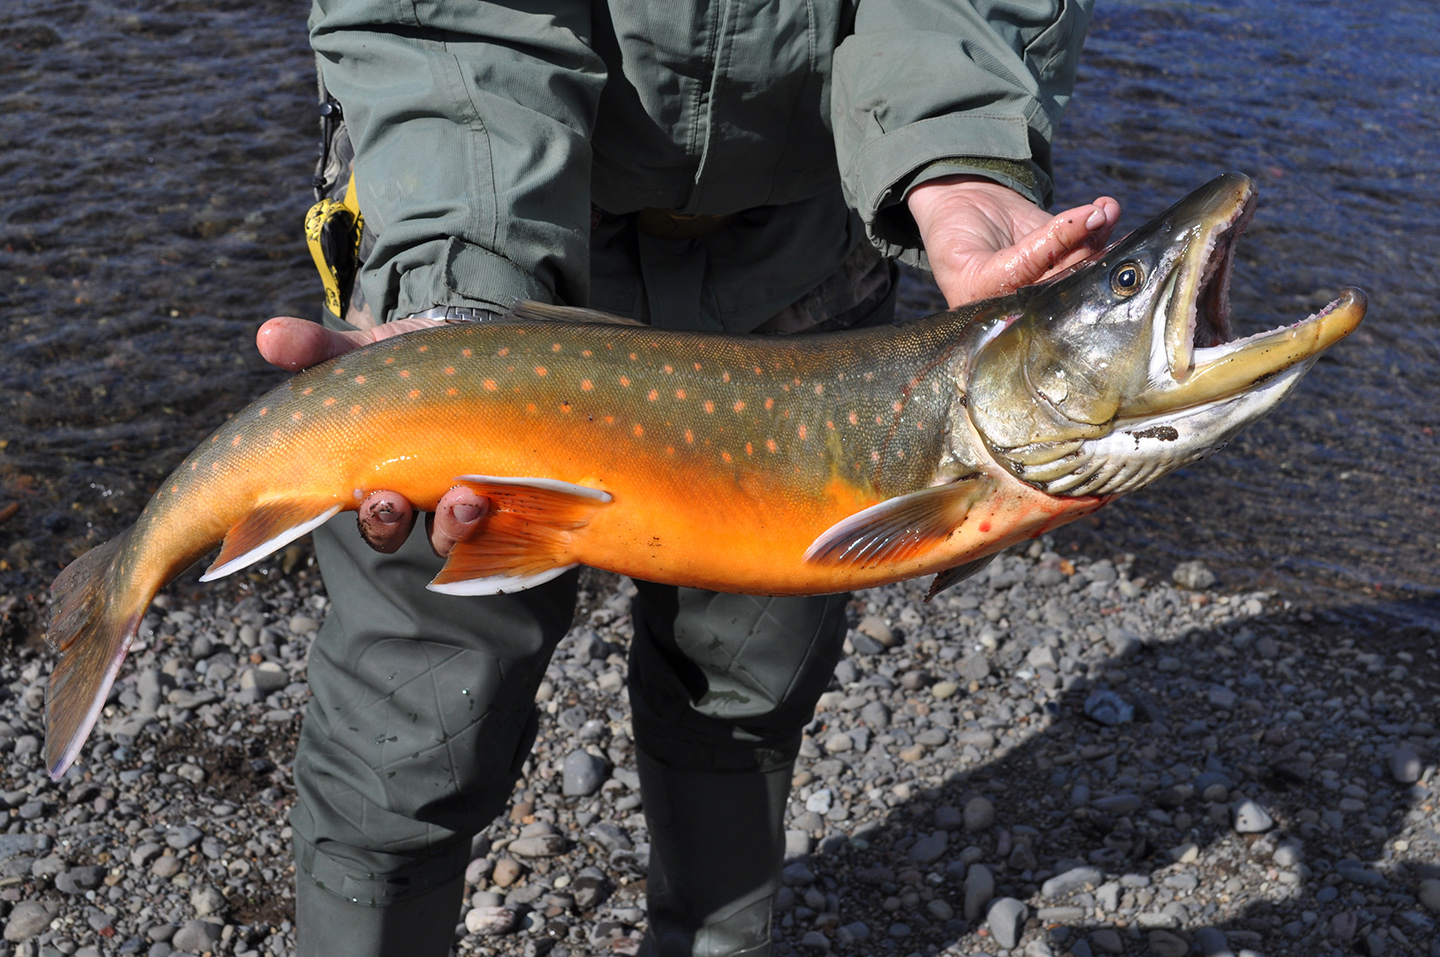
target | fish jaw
x=1101, y=390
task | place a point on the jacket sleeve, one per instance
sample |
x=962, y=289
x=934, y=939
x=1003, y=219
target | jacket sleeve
x=471, y=125
x=926, y=88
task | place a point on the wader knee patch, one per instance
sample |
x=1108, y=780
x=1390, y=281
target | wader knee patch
x=374, y=879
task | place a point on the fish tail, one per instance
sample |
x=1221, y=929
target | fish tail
x=93, y=620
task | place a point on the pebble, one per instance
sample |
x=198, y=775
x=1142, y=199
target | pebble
x=196, y=936
x=207, y=900
x=583, y=774
x=1429, y=894
x=979, y=890
x=181, y=838
x=506, y=872
x=930, y=848
x=166, y=866
x=979, y=814
x=1249, y=817
x=815, y=942
x=947, y=768
x=1077, y=878
x=1193, y=575
x=1405, y=766
x=1006, y=920
x=1108, y=708
x=491, y=921
x=26, y=920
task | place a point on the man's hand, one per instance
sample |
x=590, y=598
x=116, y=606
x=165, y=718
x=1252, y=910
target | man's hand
x=385, y=518
x=985, y=240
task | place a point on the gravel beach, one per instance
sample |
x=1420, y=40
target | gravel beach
x=1052, y=758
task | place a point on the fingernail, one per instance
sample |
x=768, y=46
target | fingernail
x=465, y=513
x=1096, y=220
x=384, y=513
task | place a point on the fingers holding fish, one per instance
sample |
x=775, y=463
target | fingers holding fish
x=457, y=517
x=385, y=519
x=294, y=344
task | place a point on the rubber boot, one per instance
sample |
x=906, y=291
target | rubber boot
x=330, y=926
x=717, y=843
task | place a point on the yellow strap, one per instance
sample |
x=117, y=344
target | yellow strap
x=352, y=200
x=341, y=217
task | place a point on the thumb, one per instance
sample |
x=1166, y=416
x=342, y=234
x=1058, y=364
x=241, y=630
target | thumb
x=294, y=344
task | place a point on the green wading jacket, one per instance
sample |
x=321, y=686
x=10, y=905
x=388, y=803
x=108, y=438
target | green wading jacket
x=501, y=149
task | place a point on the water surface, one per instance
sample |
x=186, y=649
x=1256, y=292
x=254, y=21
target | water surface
x=154, y=171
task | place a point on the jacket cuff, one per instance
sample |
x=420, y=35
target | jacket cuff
x=463, y=274
x=886, y=169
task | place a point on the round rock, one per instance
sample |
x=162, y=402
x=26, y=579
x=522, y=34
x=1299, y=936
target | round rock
x=583, y=774
x=1429, y=894
x=196, y=937
x=28, y=919
x=979, y=814
x=206, y=900
x=1193, y=575
x=1006, y=919
x=490, y=921
x=1405, y=766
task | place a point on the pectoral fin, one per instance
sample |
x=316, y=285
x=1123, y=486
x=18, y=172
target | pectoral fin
x=264, y=531
x=900, y=528
x=525, y=539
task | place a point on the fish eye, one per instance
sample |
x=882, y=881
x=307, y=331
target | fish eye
x=1127, y=278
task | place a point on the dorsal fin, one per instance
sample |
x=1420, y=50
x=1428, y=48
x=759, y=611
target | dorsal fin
x=530, y=310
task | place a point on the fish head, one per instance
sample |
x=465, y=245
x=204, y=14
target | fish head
x=1124, y=368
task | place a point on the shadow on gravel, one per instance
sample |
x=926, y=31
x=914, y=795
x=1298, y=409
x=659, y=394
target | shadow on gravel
x=1309, y=730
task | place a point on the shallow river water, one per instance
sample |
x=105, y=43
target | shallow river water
x=154, y=171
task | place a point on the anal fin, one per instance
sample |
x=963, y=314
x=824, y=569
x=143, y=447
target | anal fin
x=899, y=528
x=525, y=539
x=264, y=531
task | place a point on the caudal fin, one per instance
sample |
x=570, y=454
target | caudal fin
x=92, y=631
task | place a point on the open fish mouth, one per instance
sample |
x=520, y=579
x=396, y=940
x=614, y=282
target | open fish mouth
x=1194, y=360
x=1194, y=386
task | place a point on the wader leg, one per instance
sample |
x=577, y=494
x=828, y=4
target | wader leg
x=721, y=687
x=422, y=926
x=423, y=712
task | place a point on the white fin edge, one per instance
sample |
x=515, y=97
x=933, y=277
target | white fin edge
x=72, y=750
x=270, y=547
x=549, y=485
x=499, y=584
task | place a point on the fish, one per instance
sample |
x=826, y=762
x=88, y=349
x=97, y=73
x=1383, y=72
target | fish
x=754, y=464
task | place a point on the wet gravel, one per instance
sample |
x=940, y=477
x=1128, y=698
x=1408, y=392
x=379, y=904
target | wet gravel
x=1053, y=758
